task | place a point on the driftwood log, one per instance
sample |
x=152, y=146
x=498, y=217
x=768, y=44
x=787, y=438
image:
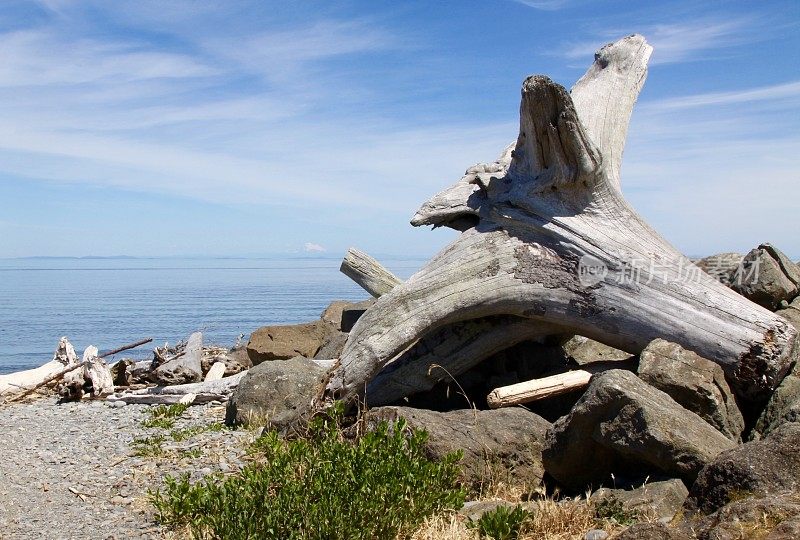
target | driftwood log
x=548, y=236
x=30, y=379
x=95, y=377
x=442, y=354
x=202, y=392
x=184, y=368
x=369, y=273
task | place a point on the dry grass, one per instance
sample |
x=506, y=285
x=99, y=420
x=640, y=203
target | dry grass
x=567, y=519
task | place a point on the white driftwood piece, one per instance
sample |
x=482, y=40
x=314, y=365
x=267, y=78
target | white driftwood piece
x=216, y=372
x=96, y=371
x=204, y=392
x=186, y=368
x=549, y=210
x=536, y=389
x=19, y=381
x=368, y=273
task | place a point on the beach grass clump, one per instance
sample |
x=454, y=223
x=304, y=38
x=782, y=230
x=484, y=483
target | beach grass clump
x=502, y=523
x=164, y=416
x=322, y=486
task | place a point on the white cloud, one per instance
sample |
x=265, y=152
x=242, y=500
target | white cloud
x=672, y=42
x=789, y=90
x=311, y=247
x=545, y=5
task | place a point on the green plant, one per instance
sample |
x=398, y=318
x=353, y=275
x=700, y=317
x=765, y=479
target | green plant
x=148, y=446
x=502, y=523
x=319, y=487
x=164, y=416
x=610, y=508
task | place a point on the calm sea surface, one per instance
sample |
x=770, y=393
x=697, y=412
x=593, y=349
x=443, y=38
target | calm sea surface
x=111, y=302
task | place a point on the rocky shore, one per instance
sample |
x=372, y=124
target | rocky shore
x=75, y=470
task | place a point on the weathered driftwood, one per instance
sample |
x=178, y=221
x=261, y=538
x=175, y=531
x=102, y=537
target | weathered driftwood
x=95, y=377
x=547, y=235
x=369, y=273
x=536, y=389
x=216, y=372
x=185, y=368
x=445, y=353
x=127, y=347
x=31, y=379
x=204, y=392
x=448, y=352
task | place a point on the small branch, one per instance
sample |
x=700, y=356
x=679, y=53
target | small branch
x=369, y=273
x=126, y=347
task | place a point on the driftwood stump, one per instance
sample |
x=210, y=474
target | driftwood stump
x=547, y=236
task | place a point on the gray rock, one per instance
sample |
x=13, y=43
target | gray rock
x=583, y=350
x=756, y=468
x=332, y=347
x=284, y=342
x=502, y=441
x=623, y=426
x=721, y=266
x=595, y=534
x=696, y=383
x=353, y=312
x=792, y=313
x=279, y=393
x=783, y=406
x=767, y=277
x=654, y=500
x=653, y=531
x=773, y=517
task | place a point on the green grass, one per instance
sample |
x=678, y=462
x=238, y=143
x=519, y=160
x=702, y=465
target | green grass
x=148, y=446
x=502, y=523
x=612, y=509
x=164, y=416
x=319, y=487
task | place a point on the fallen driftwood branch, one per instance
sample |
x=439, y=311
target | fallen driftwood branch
x=96, y=377
x=553, y=385
x=54, y=370
x=64, y=355
x=127, y=347
x=548, y=236
x=204, y=392
x=367, y=272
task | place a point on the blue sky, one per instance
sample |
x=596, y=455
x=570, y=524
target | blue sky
x=251, y=128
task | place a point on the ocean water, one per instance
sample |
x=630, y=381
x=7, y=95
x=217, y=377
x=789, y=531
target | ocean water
x=111, y=302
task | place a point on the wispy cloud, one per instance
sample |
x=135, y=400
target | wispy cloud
x=672, y=42
x=789, y=90
x=545, y=5
x=311, y=247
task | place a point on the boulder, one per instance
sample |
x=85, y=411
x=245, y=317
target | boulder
x=495, y=442
x=694, y=382
x=332, y=347
x=279, y=393
x=767, y=277
x=757, y=468
x=791, y=312
x=653, y=531
x=722, y=266
x=583, y=350
x=353, y=312
x=773, y=517
x=783, y=406
x=333, y=313
x=659, y=500
x=284, y=342
x=625, y=427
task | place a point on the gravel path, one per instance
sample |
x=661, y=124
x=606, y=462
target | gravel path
x=71, y=470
